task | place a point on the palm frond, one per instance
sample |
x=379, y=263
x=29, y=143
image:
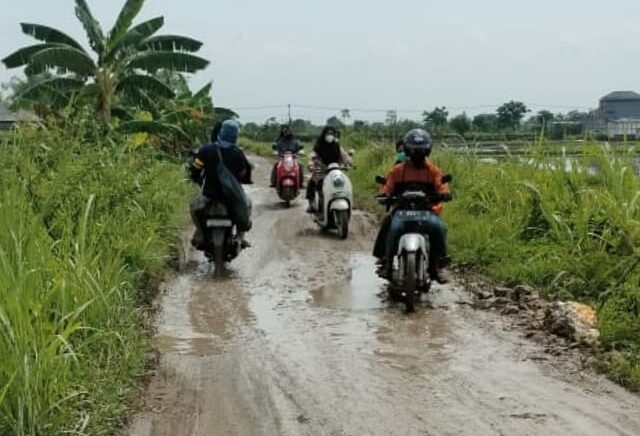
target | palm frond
x=151, y=127
x=90, y=92
x=22, y=57
x=222, y=113
x=64, y=59
x=175, y=61
x=32, y=70
x=129, y=12
x=44, y=96
x=49, y=34
x=172, y=43
x=91, y=26
x=122, y=113
x=147, y=28
x=135, y=36
x=149, y=84
x=141, y=98
x=203, y=92
x=60, y=85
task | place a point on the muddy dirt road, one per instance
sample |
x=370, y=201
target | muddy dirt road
x=295, y=340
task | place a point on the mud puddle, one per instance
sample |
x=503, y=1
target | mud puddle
x=360, y=290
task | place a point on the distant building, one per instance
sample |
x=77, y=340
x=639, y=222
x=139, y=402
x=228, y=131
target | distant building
x=617, y=116
x=620, y=105
x=9, y=118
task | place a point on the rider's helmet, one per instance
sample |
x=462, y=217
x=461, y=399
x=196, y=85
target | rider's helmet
x=417, y=146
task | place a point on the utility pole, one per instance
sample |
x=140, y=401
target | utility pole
x=289, y=111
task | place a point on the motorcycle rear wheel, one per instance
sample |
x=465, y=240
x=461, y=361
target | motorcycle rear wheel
x=218, y=253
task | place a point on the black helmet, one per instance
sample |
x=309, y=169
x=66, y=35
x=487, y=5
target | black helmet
x=417, y=145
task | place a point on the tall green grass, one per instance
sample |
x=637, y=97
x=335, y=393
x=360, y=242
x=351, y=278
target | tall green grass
x=86, y=228
x=571, y=232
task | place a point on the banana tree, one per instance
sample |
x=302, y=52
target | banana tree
x=188, y=117
x=121, y=65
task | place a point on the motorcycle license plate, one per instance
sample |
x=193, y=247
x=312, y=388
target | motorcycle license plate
x=219, y=223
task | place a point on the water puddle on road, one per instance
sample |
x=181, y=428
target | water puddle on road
x=200, y=314
x=359, y=291
x=194, y=346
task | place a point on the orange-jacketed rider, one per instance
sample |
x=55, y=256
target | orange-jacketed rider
x=416, y=173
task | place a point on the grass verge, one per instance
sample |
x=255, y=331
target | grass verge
x=87, y=230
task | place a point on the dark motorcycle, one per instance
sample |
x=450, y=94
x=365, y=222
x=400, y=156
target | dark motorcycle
x=407, y=271
x=223, y=244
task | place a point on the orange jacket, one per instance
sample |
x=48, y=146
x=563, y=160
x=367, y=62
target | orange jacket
x=407, y=172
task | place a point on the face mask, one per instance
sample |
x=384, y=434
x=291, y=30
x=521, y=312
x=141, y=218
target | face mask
x=401, y=156
x=418, y=159
x=329, y=139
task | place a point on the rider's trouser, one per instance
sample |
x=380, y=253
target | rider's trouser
x=313, y=188
x=434, y=227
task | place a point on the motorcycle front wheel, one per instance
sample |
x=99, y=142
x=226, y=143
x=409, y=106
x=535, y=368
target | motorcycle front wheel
x=341, y=220
x=410, y=281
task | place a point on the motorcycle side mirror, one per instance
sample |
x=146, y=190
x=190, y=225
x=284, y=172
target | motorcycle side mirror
x=380, y=180
x=446, y=178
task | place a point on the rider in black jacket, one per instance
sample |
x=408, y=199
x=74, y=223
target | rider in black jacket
x=286, y=142
x=203, y=172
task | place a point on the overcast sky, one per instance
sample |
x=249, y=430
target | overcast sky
x=370, y=55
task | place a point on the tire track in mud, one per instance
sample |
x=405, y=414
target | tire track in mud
x=297, y=339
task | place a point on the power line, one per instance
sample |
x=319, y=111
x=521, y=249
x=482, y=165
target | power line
x=288, y=107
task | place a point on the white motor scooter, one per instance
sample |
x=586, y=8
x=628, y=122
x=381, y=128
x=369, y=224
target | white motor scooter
x=333, y=204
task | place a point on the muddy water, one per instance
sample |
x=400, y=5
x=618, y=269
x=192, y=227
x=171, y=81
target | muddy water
x=297, y=338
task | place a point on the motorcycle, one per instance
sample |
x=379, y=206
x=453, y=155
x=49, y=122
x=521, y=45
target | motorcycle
x=407, y=271
x=223, y=243
x=288, y=176
x=334, y=202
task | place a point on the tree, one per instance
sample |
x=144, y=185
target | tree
x=391, y=118
x=360, y=126
x=121, y=59
x=300, y=126
x=575, y=115
x=510, y=114
x=391, y=122
x=436, y=120
x=485, y=122
x=335, y=122
x=345, y=114
x=250, y=129
x=544, y=117
x=460, y=124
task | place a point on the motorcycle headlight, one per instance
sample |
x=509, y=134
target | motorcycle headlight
x=338, y=182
